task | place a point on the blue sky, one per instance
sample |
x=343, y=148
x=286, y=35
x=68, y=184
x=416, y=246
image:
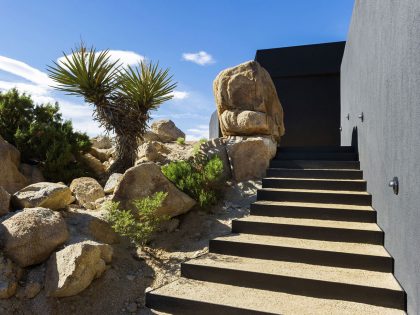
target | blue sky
x=195, y=39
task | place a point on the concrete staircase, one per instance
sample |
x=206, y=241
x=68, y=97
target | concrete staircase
x=310, y=246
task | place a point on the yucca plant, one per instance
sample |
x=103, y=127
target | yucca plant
x=122, y=96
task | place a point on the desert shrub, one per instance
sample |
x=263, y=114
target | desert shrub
x=42, y=136
x=140, y=226
x=199, y=178
x=197, y=146
x=180, y=140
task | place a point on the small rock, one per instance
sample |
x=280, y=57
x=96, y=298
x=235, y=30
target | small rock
x=87, y=190
x=148, y=289
x=166, y=130
x=47, y=195
x=112, y=182
x=9, y=277
x=101, y=154
x=72, y=269
x=130, y=277
x=94, y=164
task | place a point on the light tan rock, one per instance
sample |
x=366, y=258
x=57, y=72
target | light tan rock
x=32, y=234
x=112, y=182
x=86, y=190
x=166, y=130
x=101, y=142
x=101, y=154
x=146, y=179
x=217, y=147
x=94, y=164
x=4, y=201
x=247, y=102
x=48, y=195
x=250, y=156
x=10, y=177
x=32, y=173
x=9, y=277
x=151, y=151
x=72, y=269
x=150, y=136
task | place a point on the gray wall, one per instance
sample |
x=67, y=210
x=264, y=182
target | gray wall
x=380, y=76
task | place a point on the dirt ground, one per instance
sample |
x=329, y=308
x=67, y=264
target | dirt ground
x=121, y=289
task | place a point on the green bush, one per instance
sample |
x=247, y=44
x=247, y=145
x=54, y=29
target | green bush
x=197, y=146
x=137, y=227
x=198, y=178
x=41, y=135
x=180, y=140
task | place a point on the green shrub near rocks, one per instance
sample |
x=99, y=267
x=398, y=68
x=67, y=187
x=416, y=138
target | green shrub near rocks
x=199, y=178
x=41, y=135
x=140, y=226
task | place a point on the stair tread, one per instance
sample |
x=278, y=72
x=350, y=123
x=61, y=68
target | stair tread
x=347, y=276
x=317, y=179
x=313, y=223
x=314, y=169
x=263, y=300
x=314, y=205
x=300, y=243
x=347, y=192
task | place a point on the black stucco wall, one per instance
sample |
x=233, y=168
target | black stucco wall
x=307, y=79
x=380, y=76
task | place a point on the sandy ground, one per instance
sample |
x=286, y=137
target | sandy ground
x=121, y=289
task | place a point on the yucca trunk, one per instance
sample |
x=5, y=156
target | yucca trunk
x=126, y=151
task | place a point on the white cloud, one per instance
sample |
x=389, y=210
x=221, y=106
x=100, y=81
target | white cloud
x=125, y=57
x=197, y=133
x=25, y=71
x=180, y=95
x=201, y=58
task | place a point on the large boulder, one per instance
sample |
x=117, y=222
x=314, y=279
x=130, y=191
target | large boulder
x=101, y=142
x=112, y=182
x=247, y=102
x=146, y=179
x=10, y=177
x=72, y=269
x=32, y=173
x=9, y=277
x=4, y=201
x=166, y=130
x=250, y=156
x=31, y=235
x=86, y=190
x=48, y=195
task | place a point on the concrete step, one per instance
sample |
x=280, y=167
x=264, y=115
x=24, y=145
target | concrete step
x=343, y=149
x=337, y=231
x=326, y=156
x=320, y=211
x=192, y=297
x=311, y=195
x=375, y=288
x=311, y=183
x=315, y=173
x=327, y=253
x=308, y=164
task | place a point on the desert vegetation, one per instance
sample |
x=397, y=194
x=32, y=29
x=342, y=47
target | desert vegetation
x=123, y=96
